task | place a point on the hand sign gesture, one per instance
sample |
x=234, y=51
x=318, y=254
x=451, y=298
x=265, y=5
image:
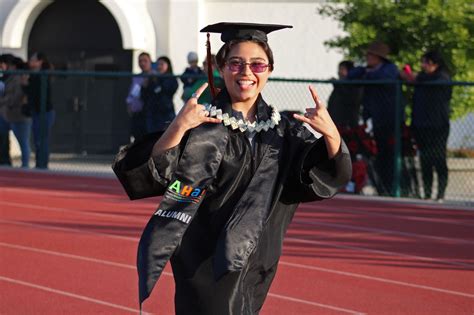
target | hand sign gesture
x=319, y=119
x=193, y=114
x=190, y=116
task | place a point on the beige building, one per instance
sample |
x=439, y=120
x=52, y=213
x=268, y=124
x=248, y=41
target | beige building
x=111, y=31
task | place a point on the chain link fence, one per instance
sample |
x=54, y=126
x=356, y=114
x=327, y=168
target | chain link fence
x=398, y=147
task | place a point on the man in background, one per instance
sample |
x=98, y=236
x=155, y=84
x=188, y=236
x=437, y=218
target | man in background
x=379, y=105
x=134, y=100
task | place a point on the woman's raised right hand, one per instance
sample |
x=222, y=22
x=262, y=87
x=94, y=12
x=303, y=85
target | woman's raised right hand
x=190, y=116
x=193, y=114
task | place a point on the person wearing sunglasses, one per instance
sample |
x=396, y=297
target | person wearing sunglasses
x=231, y=176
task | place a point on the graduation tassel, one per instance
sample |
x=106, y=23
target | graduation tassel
x=210, y=76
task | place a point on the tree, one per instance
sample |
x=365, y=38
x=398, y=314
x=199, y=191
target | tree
x=410, y=28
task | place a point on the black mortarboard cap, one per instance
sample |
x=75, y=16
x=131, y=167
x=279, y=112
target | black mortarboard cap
x=247, y=31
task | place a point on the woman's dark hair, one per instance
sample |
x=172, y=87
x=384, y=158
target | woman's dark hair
x=20, y=64
x=42, y=57
x=347, y=64
x=144, y=54
x=223, y=53
x=436, y=58
x=7, y=58
x=168, y=61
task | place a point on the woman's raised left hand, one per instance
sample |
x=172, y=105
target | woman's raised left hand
x=318, y=118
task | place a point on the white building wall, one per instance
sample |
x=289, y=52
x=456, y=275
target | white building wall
x=159, y=11
x=6, y=7
x=16, y=20
x=184, y=29
x=299, y=52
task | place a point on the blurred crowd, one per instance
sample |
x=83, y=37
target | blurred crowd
x=20, y=99
x=365, y=114
x=150, y=98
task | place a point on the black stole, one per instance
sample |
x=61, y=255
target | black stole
x=197, y=167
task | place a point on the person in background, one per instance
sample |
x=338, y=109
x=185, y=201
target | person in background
x=343, y=106
x=189, y=75
x=38, y=62
x=205, y=97
x=344, y=101
x=379, y=105
x=5, y=158
x=12, y=103
x=157, y=95
x=3, y=67
x=134, y=100
x=430, y=121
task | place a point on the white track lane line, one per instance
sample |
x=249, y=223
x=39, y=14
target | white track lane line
x=384, y=280
x=77, y=211
x=65, y=255
x=295, y=220
x=73, y=178
x=344, y=310
x=381, y=231
x=284, y=263
x=302, y=206
x=51, y=193
x=68, y=294
x=382, y=252
x=300, y=240
x=71, y=184
x=40, y=226
x=401, y=201
x=384, y=231
x=120, y=265
x=396, y=216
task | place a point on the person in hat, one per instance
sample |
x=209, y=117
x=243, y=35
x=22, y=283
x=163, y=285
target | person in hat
x=205, y=98
x=379, y=105
x=231, y=176
x=190, y=74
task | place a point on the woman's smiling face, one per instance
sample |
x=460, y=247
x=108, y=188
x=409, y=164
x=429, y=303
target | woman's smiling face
x=244, y=85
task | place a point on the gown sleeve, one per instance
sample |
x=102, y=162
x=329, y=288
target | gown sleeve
x=314, y=176
x=141, y=174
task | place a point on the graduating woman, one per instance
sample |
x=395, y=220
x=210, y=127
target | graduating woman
x=231, y=177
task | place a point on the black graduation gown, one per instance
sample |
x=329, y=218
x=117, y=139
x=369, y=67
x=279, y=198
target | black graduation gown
x=213, y=274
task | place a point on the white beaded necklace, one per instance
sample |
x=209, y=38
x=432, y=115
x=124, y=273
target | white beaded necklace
x=244, y=125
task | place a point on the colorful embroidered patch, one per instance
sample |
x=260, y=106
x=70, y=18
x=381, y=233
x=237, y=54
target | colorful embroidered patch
x=184, y=193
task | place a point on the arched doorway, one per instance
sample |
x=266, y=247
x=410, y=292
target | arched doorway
x=90, y=112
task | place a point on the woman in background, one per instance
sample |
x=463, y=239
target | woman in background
x=157, y=94
x=12, y=102
x=41, y=134
x=430, y=121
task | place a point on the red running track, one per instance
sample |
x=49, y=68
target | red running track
x=68, y=246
